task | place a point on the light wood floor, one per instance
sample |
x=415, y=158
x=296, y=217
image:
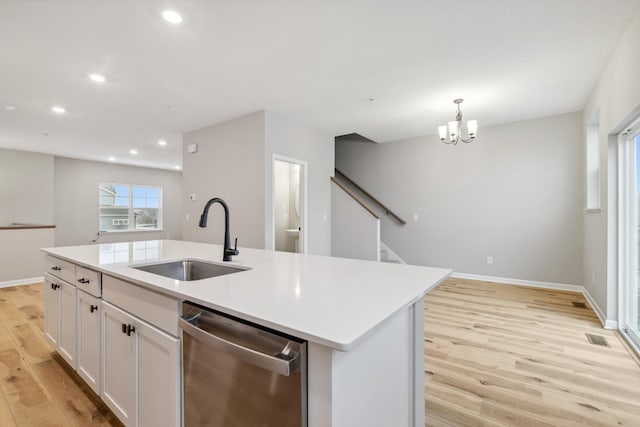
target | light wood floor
x=496, y=355
x=504, y=355
x=37, y=388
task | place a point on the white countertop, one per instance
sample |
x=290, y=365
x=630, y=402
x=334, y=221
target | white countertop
x=330, y=301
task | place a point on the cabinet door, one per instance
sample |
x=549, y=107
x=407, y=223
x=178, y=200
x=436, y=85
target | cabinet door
x=67, y=339
x=89, y=339
x=158, y=378
x=119, y=363
x=51, y=310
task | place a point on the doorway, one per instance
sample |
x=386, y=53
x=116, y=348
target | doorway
x=289, y=204
x=629, y=206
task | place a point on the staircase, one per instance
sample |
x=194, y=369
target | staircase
x=356, y=223
x=387, y=255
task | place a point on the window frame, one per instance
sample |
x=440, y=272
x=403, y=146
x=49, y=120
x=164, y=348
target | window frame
x=131, y=209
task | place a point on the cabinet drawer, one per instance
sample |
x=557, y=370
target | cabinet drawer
x=88, y=281
x=62, y=269
x=157, y=309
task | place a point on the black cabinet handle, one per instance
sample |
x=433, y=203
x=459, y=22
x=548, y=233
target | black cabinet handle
x=83, y=280
x=56, y=268
x=93, y=308
x=54, y=286
x=127, y=329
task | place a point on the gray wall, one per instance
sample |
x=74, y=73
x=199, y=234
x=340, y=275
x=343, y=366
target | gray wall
x=286, y=137
x=229, y=164
x=76, y=200
x=355, y=233
x=234, y=162
x=26, y=187
x=617, y=98
x=513, y=194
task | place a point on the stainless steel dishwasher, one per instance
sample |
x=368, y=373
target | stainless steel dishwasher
x=237, y=374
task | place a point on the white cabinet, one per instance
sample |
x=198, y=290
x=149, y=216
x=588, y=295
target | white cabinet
x=89, y=333
x=119, y=363
x=67, y=340
x=51, y=310
x=140, y=370
x=60, y=317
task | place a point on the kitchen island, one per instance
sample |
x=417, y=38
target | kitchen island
x=363, y=322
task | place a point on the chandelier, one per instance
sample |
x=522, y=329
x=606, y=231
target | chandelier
x=454, y=128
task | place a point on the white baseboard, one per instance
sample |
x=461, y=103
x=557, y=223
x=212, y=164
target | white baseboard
x=606, y=323
x=19, y=282
x=519, y=282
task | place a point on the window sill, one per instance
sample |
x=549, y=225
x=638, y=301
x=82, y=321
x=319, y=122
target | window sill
x=151, y=230
x=592, y=210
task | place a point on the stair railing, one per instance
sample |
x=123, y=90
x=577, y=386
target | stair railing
x=384, y=208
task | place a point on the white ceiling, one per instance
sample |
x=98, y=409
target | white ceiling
x=318, y=62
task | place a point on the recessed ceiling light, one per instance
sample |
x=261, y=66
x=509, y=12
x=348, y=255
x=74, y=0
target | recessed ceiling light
x=171, y=16
x=58, y=109
x=98, y=78
x=9, y=107
x=112, y=159
x=162, y=142
x=177, y=167
x=133, y=151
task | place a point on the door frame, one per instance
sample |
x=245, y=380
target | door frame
x=302, y=243
x=627, y=219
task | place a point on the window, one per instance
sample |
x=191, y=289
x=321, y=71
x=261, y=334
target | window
x=125, y=207
x=593, y=165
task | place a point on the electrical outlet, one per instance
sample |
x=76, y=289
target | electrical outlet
x=186, y=217
x=490, y=260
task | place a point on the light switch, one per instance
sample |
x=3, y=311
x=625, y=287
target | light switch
x=415, y=217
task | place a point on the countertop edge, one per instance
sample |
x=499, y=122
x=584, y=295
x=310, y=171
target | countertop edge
x=336, y=345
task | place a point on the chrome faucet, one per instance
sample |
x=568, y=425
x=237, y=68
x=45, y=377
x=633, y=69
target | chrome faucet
x=227, y=251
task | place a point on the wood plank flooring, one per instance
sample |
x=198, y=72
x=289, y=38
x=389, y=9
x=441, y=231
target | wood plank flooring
x=496, y=355
x=37, y=388
x=505, y=355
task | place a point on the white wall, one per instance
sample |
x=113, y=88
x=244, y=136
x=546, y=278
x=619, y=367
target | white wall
x=513, y=194
x=355, y=233
x=287, y=138
x=234, y=162
x=20, y=256
x=617, y=98
x=26, y=187
x=77, y=204
x=229, y=164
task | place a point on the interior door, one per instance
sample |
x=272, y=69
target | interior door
x=629, y=206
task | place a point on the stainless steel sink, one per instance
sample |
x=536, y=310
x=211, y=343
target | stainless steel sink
x=189, y=269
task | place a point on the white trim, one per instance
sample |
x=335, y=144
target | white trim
x=20, y=282
x=592, y=210
x=606, y=323
x=519, y=282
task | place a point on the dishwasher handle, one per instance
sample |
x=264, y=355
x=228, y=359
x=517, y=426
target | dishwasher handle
x=271, y=363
